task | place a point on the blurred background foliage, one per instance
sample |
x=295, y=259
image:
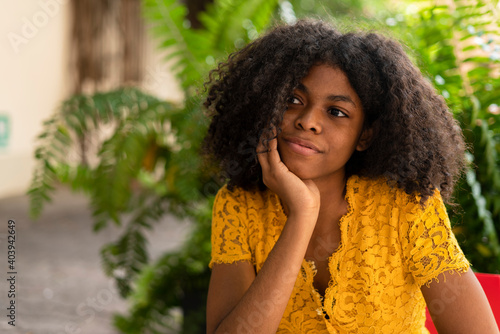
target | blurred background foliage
x=148, y=163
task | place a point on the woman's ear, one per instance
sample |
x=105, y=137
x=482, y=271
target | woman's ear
x=365, y=139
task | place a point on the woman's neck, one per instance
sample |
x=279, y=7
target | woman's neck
x=333, y=203
x=332, y=192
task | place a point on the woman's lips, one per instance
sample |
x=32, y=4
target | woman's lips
x=301, y=146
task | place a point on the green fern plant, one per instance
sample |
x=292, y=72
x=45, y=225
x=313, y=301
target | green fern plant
x=74, y=149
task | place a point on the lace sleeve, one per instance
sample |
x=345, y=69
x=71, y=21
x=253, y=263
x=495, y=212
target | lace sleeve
x=428, y=244
x=229, y=227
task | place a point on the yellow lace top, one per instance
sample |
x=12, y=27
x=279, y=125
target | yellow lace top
x=391, y=245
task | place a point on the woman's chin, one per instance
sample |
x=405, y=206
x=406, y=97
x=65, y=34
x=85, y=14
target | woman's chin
x=301, y=172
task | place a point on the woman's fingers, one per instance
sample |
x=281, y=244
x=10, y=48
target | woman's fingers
x=272, y=144
x=262, y=156
x=273, y=155
x=269, y=159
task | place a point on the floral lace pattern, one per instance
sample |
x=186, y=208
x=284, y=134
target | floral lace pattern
x=391, y=245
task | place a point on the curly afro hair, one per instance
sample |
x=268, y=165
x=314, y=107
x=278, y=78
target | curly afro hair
x=416, y=142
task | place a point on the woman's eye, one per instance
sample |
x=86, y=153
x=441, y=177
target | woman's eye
x=336, y=112
x=294, y=100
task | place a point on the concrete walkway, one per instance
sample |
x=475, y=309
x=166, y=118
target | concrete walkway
x=59, y=283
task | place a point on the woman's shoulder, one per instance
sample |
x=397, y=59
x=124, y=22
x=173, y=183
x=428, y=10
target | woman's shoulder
x=258, y=210
x=253, y=197
x=381, y=190
x=379, y=187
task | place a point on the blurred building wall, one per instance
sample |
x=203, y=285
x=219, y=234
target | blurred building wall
x=35, y=77
x=33, y=71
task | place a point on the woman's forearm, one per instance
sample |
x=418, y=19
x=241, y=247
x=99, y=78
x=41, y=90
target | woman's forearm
x=262, y=306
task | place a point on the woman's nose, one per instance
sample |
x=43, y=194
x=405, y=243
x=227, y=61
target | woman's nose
x=309, y=119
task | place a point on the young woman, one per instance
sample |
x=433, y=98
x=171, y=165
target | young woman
x=338, y=154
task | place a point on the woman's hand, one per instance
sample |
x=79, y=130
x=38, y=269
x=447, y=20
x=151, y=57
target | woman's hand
x=237, y=295
x=300, y=197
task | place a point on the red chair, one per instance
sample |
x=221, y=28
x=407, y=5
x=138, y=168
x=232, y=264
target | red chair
x=491, y=287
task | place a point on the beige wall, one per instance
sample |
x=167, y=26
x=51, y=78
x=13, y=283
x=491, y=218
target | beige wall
x=32, y=66
x=34, y=72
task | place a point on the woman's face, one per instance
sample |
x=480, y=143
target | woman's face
x=322, y=126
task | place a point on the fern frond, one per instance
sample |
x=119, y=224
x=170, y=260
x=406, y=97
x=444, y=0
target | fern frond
x=136, y=118
x=124, y=258
x=243, y=21
x=485, y=216
x=51, y=151
x=165, y=278
x=188, y=49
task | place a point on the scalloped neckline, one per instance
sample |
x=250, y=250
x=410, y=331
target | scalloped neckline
x=343, y=225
